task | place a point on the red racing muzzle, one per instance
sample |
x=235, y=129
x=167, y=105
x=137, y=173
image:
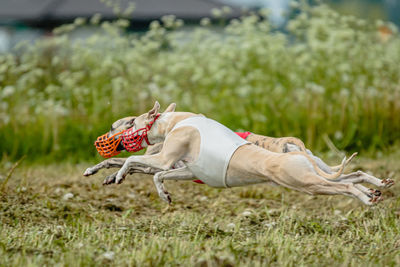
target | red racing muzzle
x=133, y=140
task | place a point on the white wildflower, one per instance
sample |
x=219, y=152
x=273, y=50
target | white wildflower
x=246, y=213
x=109, y=255
x=95, y=19
x=203, y=198
x=226, y=9
x=231, y=226
x=131, y=195
x=79, y=21
x=154, y=25
x=216, y=12
x=68, y=196
x=270, y=225
x=338, y=135
x=337, y=212
x=179, y=23
x=8, y=91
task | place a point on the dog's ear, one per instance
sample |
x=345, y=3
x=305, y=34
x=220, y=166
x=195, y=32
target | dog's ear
x=170, y=108
x=154, y=111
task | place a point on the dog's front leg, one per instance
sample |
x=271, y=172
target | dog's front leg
x=108, y=163
x=153, y=161
x=119, y=162
x=147, y=170
x=178, y=144
x=175, y=174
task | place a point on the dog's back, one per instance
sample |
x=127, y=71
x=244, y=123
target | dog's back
x=279, y=145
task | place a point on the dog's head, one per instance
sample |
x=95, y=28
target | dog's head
x=136, y=122
x=139, y=122
x=109, y=144
x=121, y=125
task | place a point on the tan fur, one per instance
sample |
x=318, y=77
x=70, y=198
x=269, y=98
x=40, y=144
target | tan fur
x=279, y=145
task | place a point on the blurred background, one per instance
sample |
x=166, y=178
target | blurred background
x=327, y=72
x=28, y=20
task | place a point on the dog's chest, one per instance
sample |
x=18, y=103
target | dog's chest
x=217, y=145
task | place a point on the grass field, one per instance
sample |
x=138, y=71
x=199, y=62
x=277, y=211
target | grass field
x=41, y=223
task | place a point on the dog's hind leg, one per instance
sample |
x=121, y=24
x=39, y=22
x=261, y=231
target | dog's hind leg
x=371, y=192
x=175, y=174
x=323, y=166
x=297, y=173
x=332, y=188
x=362, y=177
x=108, y=163
x=316, y=185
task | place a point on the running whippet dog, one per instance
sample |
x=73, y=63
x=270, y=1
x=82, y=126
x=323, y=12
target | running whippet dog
x=218, y=157
x=279, y=145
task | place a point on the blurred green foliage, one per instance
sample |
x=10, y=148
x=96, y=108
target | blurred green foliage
x=331, y=74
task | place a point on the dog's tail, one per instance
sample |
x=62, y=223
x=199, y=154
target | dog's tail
x=347, y=161
x=334, y=175
x=320, y=172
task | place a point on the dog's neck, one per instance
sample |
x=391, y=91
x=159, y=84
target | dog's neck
x=164, y=124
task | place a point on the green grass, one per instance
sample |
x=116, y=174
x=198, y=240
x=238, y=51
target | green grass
x=203, y=227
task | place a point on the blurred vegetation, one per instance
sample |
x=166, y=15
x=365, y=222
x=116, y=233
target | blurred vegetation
x=362, y=8
x=331, y=75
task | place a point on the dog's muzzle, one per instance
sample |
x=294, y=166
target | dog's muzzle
x=108, y=146
x=133, y=140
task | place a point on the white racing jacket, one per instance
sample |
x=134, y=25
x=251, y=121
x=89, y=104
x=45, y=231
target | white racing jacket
x=217, y=145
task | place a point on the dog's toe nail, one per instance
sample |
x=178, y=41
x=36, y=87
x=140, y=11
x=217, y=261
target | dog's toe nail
x=388, y=182
x=375, y=192
x=375, y=199
x=119, y=181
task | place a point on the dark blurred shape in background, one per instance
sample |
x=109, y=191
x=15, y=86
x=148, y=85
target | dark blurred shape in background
x=30, y=19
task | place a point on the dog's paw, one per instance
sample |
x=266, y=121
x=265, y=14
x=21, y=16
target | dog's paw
x=387, y=183
x=164, y=195
x=120, y=178
x=375, y=199
x=89, y=171
x=374, y=192
x=110, y=179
